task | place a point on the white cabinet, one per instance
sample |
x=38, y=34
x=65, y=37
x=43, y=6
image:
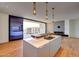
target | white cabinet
x=29, y=50
x=44, y=51
x=54, y=46
x=47, y=50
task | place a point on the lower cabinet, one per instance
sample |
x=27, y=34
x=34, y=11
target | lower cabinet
x=48, y=50
x=44, y=51
x=29, y=50
x=55, y=46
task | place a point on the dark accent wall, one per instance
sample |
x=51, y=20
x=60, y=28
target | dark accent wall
x=15, y=28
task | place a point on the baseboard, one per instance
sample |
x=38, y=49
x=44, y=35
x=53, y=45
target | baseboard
x=4, y=42
x=74, y=37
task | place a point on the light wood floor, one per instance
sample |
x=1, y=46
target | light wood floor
x=69, y=48
x=12, y=49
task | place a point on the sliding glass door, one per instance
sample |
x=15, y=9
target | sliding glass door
x=33, y=28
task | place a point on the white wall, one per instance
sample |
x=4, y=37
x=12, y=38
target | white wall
x=67, y=27
x=59, y=23
x=3, y=28
x=77, y=28
x=74, y=28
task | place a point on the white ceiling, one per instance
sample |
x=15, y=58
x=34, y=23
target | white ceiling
x=63, y=10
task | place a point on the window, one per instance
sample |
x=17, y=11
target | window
x=32, y=27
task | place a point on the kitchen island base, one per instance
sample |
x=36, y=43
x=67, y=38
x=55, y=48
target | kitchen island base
x=34, y=49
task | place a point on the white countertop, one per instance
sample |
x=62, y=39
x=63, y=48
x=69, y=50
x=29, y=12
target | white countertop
x=39, y=42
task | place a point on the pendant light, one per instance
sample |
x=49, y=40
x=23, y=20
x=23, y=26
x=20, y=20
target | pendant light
x=34, y=8
x=53, y=14
x=46, y=11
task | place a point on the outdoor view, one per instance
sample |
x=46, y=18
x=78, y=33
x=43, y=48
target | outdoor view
x=32, y=28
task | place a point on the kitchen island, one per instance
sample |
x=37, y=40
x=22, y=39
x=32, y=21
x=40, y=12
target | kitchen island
x=41, y=47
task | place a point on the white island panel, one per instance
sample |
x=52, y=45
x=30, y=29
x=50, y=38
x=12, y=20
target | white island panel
x=41, y=47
